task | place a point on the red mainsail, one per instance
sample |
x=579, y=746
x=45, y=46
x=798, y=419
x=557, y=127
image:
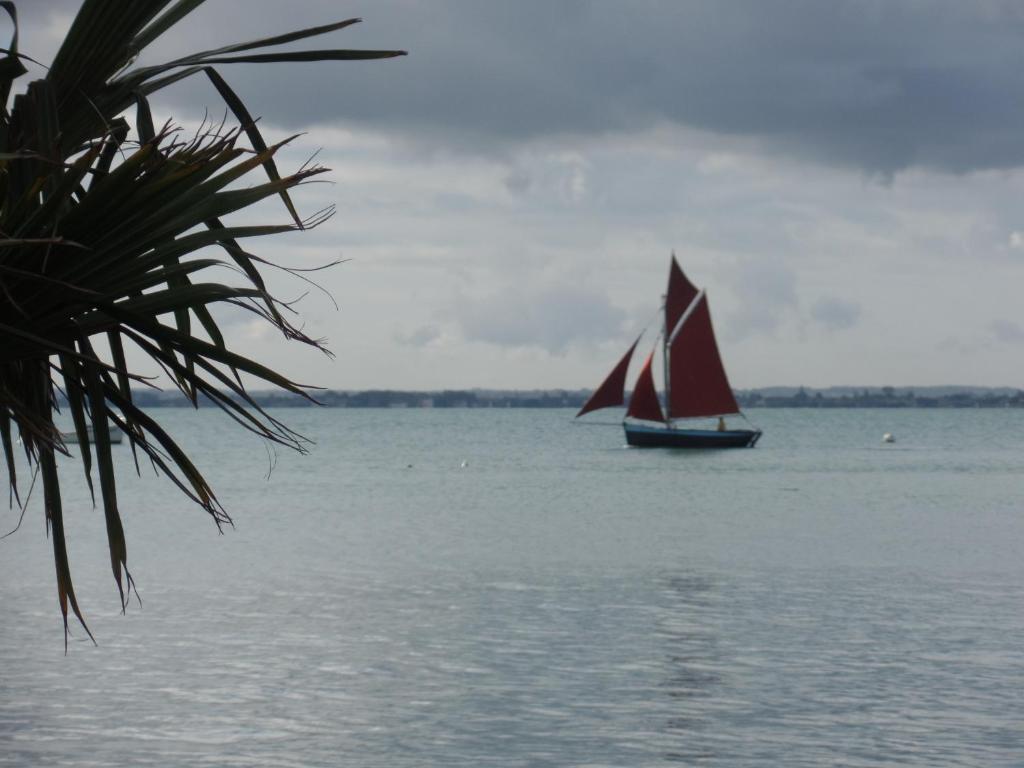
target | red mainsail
x=644, y=403
x=613, y=388
x=680, y=293
x=698, y=381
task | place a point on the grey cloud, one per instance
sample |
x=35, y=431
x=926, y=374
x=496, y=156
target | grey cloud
x=766, y=289
x=875, y=85
x=835, y=314
x=551, y=319
x=1008, y=332
x=959, y=346
x=518, y=182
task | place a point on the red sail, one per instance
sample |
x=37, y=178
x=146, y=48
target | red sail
x=699, y=384
x=644, y=403
x=680, y=293
x=612, y=389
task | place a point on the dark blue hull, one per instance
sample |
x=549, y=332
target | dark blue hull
x=642, y=436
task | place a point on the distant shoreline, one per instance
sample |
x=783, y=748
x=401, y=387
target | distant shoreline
x=767, y=397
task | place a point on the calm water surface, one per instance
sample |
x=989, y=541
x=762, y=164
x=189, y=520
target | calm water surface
x=559, y=601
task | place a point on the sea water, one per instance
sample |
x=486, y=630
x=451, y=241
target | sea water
x=511, y=588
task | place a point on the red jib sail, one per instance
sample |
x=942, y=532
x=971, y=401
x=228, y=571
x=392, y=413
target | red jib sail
x=699, y=384
x=612, y=389
x=680, y=293
x=644, y=403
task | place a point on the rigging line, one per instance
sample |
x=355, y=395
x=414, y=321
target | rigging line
x=646, y=326
x=654, y=317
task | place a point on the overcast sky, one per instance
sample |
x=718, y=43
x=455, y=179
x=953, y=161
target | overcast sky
x=844, y=178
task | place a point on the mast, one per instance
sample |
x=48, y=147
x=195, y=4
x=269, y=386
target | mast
x=677, y=300
x=664, y=357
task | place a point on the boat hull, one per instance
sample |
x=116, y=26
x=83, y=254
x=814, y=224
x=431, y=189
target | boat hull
x=642, y=436
x=116, y=435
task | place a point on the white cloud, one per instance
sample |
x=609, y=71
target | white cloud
x=527, y=287
x=420, y=337
x=550, y=318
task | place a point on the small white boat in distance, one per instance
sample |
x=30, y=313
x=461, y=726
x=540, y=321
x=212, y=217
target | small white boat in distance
x=888, y=438
x=116, y=435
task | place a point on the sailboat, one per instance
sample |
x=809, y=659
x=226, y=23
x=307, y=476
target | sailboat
x=696, y=385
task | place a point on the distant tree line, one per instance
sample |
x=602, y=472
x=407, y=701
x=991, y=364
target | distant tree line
x=886, y=397
x=777, y=397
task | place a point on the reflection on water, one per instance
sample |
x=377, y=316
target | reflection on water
x=693, y=663
x=687, y=633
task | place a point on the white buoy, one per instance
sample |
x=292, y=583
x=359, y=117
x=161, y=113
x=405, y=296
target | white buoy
x=888, y=438
x=464, y=464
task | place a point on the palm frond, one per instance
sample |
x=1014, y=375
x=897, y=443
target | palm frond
x=100, y=240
